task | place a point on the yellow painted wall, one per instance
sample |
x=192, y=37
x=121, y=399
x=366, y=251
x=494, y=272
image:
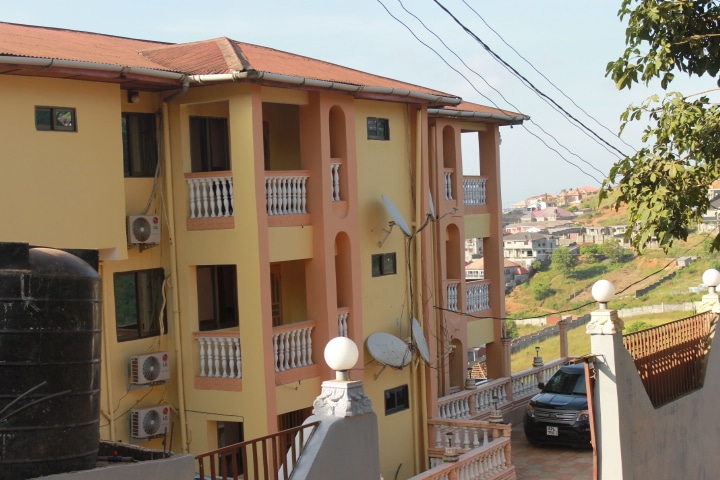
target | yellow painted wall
x=241, y=246
x=477, y=226
x=290, y=243
x=384, y=168
x=82, y=168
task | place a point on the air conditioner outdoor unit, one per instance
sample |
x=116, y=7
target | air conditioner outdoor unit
x=143, y=229
x=149, y=422
x=150, y=368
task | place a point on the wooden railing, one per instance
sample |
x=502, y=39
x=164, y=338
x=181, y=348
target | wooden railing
x=211, y=194
x=292, y=346
x=670, y=357
x=271, y=457
x=474, y=191
x=286, y=192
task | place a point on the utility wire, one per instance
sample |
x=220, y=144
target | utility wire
x=546, y=78
x=527, y=82
x=492, y=87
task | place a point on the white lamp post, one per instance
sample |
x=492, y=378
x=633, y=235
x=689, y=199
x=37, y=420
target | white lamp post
x=341, y=354
x=341, y=397
x=711, y=300
x=604, y=321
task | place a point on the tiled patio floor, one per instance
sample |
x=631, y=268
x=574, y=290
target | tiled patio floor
x=549, y=463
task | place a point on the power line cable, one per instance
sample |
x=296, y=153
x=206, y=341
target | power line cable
x=527, y=82
x=492, y=87
x=546, y=78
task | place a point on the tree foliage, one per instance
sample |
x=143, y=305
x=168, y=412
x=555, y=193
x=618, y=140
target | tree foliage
x=563, y=260
x=665, y=183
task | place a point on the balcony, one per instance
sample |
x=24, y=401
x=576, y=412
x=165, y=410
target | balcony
x=286, y=195
x=293, y=352
x=220, y=361
x=212, y=200
x=475, y=194
x=477, y=296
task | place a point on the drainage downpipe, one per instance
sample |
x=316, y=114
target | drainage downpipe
x=324, y=84
x=167, y=158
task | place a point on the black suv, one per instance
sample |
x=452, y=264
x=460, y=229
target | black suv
x=559, y=414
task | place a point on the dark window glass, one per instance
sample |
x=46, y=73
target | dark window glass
x=384, y=264
x=139, y=304
x=55, y=118
x=217, y=297
x=378, y=128
x=230, y=462
x=139, y=137
x=396, y=400
x=209, y=144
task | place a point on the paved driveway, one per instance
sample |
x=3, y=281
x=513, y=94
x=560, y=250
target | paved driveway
x=549, y=463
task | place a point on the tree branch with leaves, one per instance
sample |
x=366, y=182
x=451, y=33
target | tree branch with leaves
x=665, y=183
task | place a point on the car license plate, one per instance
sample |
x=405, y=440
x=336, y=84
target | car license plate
x=552, y=431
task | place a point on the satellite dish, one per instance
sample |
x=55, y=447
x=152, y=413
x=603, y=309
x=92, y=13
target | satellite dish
x=388, y=350
x=419, y=340
x=396, y=216
x=432, y=206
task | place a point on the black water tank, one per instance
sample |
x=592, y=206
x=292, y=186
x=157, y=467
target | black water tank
x=50, y=333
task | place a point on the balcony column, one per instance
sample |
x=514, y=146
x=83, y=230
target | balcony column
x=612, y=437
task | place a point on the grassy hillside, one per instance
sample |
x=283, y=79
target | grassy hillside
x=551, y=291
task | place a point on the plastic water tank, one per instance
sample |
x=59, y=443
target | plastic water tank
x=50, y=334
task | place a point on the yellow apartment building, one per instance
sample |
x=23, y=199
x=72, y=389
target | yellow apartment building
x=233, y=196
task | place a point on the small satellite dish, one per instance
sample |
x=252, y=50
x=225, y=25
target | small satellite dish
x=388, y=350
x=419, y=341
x=396, y=216
x=432, y=206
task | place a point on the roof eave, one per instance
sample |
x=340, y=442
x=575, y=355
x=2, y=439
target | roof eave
x=298, y=81
x=494, y=117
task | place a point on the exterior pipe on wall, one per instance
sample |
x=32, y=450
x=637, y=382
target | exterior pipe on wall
x=53, y=62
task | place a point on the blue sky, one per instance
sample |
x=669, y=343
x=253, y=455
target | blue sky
x=568, y=41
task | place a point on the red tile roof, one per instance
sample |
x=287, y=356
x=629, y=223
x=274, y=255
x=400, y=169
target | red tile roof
x=209, y=57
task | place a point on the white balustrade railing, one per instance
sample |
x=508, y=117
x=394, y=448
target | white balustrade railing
x=292, y=347
x=211, y=196
x=452, y=295
x=335, y=187
x=524, y=384
x=343, y=323
x=488, y=462
x=219, y=355
x=474, y=192
x=477, y=296
x=286, y=194
x=448, y=185
x=471, y=403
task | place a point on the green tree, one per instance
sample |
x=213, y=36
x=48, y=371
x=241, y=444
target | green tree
x=612, y=251
x=563, y=260
x=665, y=183
x=592, y=252
x=541, y=291
x=637, y=326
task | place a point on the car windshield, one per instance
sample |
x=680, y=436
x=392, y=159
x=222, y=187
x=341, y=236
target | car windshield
x=566, y=383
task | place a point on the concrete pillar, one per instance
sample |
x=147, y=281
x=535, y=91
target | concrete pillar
x=563, y=329
x=612, y=435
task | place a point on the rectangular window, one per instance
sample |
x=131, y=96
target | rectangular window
x=209, y=144
x=378, y=128
x=396, y=400
x=55, y=118
x=138, y=304
x=139, y=138
x=384, y=264
x=217, y=297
